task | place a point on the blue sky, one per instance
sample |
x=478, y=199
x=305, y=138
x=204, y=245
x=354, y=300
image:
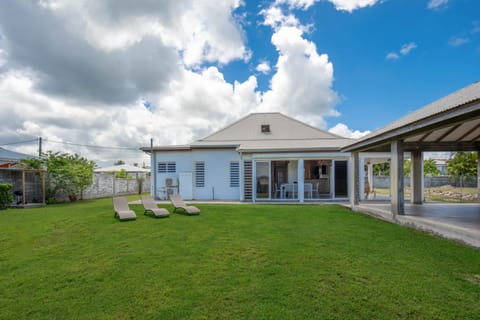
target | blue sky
x=117, y=73
x=375, y=90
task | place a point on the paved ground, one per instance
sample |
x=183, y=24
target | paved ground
x=455, y=221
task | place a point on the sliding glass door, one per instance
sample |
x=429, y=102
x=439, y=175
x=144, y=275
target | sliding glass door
x=262, y=179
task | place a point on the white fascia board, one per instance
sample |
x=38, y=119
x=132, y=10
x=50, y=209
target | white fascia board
x=294, y=156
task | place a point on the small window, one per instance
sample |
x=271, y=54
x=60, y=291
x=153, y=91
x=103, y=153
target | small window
x=200, y=174
x=164, y=167
x=265, y=128
x=234, y=174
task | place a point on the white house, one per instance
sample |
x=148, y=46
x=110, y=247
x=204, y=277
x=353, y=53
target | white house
x=261, y=157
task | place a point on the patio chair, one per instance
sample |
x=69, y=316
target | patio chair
x=151, y=207
x=178, y=203
x=122, y=211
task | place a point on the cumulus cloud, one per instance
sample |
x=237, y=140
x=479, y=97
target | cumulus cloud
x=436, y=4
x=343, y=130
x=303, y=80
x=263, y=67
x=116, y=73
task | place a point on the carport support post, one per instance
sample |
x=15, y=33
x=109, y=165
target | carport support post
x=355, y=186
x=416, y=181
x=301, y=180
x=396, y=178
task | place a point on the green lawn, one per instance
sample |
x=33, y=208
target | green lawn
x=75, y=261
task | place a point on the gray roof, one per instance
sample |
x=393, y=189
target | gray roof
x=459, y=99
x=7, y=155
x=286, y=134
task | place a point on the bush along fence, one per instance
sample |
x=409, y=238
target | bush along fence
x=6, y=195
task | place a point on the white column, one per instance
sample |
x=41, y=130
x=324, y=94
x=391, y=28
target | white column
x=153, y=175
x=416, y=177
x=362, y=178
x=396, y=178
x=301, y=180
x=355, y=185
x=370, y=175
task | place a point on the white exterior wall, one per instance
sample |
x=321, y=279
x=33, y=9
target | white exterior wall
x=217, y=172
x=217, y=175
x=183, y=161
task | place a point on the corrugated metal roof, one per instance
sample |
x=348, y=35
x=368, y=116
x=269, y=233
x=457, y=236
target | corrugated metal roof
x=7, y=155
x=281, y=127
x=457, y=99
x=285, y=134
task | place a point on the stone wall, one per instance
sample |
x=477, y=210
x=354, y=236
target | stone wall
x=383, y=182
x=106, y=185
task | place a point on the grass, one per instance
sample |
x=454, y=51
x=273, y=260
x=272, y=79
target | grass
x=75, y=261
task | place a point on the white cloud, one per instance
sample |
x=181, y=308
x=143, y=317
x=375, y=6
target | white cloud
x=263, y=67
x=342, y=5
x=343, y=130
x=351, y=5
x=302, y=84
x=436, y=4
x=458, y=41
x=406, y=48
x=203, y=30
x=392, y=56
x=81, y=71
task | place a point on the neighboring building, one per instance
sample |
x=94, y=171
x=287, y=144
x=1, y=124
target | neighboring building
x=264, y=156
x=28, y=185
x=11, y=159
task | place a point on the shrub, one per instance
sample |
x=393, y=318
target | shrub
x=6, y=195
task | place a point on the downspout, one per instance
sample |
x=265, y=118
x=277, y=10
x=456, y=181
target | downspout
x=153, y=175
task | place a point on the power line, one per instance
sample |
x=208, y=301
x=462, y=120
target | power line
x=19, y=142
x=92, y=146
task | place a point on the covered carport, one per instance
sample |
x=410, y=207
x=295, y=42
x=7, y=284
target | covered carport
x=449, y=124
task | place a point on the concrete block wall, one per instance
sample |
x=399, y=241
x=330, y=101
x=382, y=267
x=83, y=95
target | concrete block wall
x=383, y=182
x=105, y=185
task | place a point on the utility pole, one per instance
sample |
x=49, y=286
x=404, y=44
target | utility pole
x=39, y=147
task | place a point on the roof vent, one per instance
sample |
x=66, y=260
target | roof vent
x=265, y=128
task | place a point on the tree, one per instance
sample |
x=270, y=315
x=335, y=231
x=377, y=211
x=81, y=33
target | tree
x=6, y=196
x=118, y=162
x=407, y=165
x=381, y=169
x=430, y=168
x=68, y=173
x=462, y=164
x=122, y=174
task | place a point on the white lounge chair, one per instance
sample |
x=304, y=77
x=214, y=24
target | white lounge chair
x=178, y=203
x=122, y=211
x=151, y=207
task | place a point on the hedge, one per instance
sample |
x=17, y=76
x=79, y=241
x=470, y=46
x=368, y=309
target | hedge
x=6, y=196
